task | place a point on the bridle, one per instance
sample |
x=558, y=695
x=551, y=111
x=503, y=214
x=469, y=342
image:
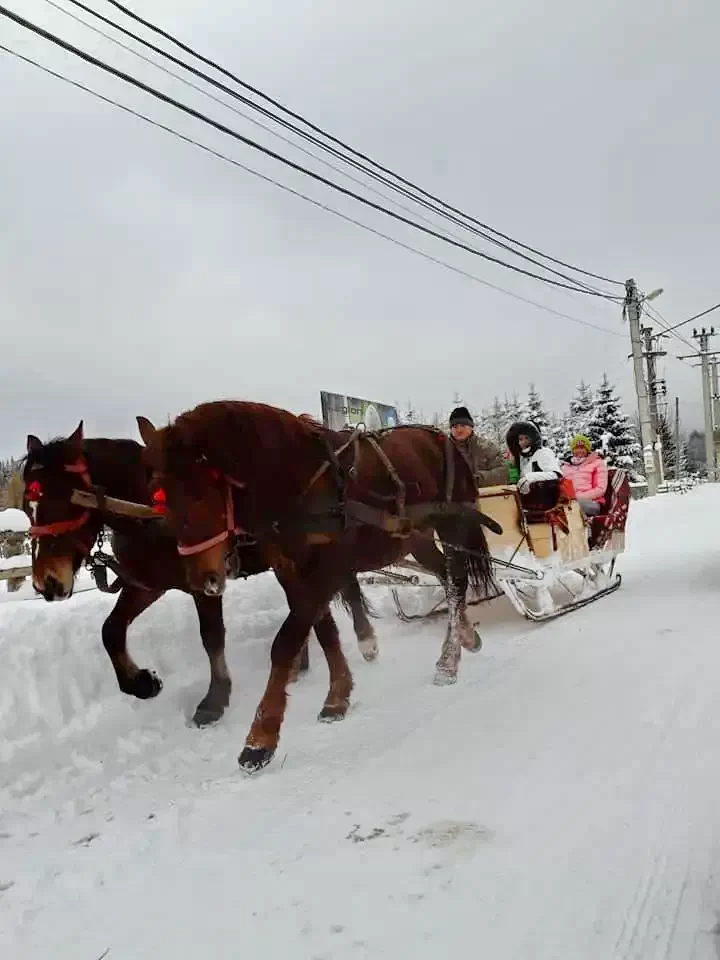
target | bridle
x=60, y=527
x=231, y=528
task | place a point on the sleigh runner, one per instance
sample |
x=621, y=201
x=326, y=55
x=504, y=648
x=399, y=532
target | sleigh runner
x=548, y=560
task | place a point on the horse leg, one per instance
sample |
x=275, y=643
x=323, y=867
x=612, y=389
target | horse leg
x=446, y=667
x=353, y=598
x=341, y=682
x=301, y=663
x=469, y=636
x=262, y=740
x=212, y=630
x=131, y=602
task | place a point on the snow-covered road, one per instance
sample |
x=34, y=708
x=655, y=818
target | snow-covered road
x=562, y=801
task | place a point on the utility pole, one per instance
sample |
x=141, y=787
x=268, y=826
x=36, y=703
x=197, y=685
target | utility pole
x=715, y=401
x=655, y=388
x=677, y=438
x=633, y=308
x=703, y=338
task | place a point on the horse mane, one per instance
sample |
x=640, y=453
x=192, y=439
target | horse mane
x=232, y=435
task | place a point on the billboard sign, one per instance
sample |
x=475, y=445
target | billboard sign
x=340, y=411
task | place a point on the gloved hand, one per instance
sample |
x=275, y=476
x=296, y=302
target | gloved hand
x=524, y=485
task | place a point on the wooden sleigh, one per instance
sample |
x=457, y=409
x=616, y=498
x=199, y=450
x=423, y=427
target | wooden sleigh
x=549, y=560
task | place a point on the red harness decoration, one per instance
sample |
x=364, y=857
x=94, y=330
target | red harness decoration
x=34, y=493
x=159, y=501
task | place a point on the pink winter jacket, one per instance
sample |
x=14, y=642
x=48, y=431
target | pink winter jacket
x=589, y=478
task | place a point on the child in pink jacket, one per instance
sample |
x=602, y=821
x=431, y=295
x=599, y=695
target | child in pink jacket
x=589, y=474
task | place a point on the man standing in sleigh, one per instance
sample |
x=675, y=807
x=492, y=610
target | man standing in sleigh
x=483, y=457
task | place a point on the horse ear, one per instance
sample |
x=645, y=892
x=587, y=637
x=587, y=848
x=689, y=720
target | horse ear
x=147, y=430
x=33, y=443
x=74, y=443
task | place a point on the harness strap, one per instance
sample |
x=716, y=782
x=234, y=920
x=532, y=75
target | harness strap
x=449, y=468
x=60, y=527
x=334, y=455
x=189, y=550
x=100, y=563
x=394, y=476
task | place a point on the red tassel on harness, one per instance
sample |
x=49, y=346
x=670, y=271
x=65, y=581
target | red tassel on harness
x=34, y=491
x=159, y=501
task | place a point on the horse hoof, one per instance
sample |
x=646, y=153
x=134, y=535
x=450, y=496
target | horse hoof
x=205, y=716
x=369, y=649
x=444, y=678
x=146, y=685
x=333, y=713
x=474, y=642
x=253, y=759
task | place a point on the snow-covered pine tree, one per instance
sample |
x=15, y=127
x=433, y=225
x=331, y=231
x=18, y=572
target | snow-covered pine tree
x=558, y=434
x=684, y=458
x=609, y=428
x=666, y=435
x=513, y=410
x=581, y=408
x=492, y=424
x=409, y=414
x=535, y=412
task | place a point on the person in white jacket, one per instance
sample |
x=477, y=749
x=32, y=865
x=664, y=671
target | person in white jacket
x=534, y=461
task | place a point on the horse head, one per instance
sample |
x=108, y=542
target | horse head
x=196, y=501
x=62, y=532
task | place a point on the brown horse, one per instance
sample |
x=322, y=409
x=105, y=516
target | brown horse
x=145, y=551
x=322, y=505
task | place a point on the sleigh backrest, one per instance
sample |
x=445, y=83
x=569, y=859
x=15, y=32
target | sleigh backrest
x=608, y=529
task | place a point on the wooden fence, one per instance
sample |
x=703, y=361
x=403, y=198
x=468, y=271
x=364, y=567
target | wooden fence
x=15, y=573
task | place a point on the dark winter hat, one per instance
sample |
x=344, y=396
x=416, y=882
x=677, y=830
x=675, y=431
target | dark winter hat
x=515, y=431
x=461, y=417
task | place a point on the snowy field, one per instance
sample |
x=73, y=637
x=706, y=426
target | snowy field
x=562, y=801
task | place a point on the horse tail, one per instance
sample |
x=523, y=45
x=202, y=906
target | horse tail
x=462, y=533
x=478, y=563
x=352, y=593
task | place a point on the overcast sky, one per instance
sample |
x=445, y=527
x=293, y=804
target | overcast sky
x=139, y=275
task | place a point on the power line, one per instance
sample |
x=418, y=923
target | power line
x=198, y=115
x=332, y=150
x=332, y=139
x=299, y=194
x=667, y=330
x=696, y=317
x=241, y=113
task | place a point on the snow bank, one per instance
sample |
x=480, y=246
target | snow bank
x=14, y=521
x=559, y=802
x=57, y=679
